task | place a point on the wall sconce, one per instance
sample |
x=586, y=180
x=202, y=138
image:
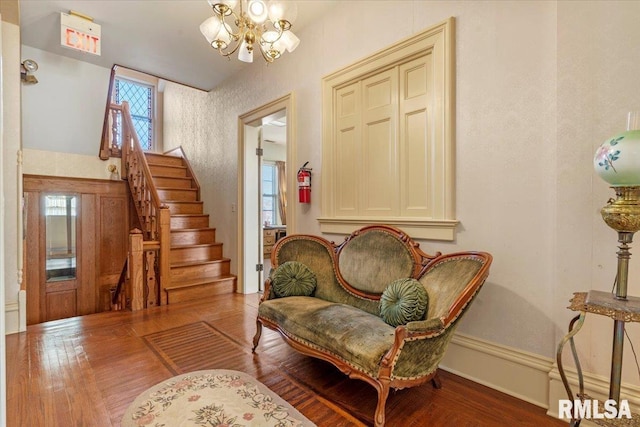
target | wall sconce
x=27, y=67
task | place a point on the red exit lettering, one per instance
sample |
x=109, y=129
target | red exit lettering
x=82, y=41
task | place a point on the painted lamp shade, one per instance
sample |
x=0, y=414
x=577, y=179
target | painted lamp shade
x=617, y=160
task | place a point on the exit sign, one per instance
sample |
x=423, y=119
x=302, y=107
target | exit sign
x=79, y=33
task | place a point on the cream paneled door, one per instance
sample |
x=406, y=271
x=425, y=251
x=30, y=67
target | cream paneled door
x=379, y=195
x=347, y=160
x=416, y=141
x=382, y=123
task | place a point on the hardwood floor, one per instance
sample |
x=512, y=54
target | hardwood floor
x=85, y=371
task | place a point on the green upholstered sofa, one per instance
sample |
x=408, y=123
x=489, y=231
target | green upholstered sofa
x=340, y=321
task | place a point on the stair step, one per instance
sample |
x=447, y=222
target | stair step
x=193, y=236
x=173, y=181
x=167, y=170
x=192, y=270
x=177, y=194
x=200, y=288
x=184, y=207
x=164, y=159
x=193, y=253
x=189, y=221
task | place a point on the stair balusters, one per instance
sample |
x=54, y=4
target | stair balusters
x=144, y=286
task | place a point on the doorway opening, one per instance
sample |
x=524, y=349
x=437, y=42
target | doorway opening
x=266, y=187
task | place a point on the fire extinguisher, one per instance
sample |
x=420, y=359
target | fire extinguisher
x=304, y=184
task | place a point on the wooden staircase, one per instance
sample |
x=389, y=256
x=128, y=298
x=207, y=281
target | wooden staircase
x=197, y=266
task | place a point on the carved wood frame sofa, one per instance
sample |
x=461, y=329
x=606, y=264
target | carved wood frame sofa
x=340, y=321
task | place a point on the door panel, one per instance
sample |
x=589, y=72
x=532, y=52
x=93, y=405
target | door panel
x=61, y=304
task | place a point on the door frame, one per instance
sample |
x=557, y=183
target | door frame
x=286, y=103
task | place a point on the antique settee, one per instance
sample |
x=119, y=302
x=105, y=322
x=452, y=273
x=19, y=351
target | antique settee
x=354, y=304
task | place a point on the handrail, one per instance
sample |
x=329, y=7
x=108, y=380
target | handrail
x=106, y=149
x=138, y=150
x=136, y=169
x=190, y=173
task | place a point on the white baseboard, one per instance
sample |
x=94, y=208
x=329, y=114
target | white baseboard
x=527, y=376
x=12, y=317
x=514, y=372
x=15, y=314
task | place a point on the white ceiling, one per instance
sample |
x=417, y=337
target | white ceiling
x=157, y=37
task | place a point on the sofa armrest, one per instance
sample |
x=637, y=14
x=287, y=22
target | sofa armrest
x=268, y=291
x=428, y=326
x=421, y=330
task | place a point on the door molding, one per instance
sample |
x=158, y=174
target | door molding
x=286, y=103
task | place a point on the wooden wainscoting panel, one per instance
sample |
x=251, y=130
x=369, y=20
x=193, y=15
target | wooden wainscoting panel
x=87, y=255
x=32, y=257
x=112, y=243
x=102, y=231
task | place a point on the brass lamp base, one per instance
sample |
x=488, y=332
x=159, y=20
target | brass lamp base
x=623, y=213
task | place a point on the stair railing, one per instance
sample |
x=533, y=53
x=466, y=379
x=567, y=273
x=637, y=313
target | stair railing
x=137, y=172
x=153, y=216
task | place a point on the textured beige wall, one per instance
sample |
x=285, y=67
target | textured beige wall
x=598, y=84
x=539, y=86
x=53, y=163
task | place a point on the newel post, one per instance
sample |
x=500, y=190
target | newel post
x=165, y=248
x=136, y=269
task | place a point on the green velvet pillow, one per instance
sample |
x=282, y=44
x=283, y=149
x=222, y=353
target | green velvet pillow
x=403, y=301
x=293, y=279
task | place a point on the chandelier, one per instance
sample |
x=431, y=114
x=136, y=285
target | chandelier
x=248, y=25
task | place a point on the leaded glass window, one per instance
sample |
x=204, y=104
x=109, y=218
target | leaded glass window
x=140, y=99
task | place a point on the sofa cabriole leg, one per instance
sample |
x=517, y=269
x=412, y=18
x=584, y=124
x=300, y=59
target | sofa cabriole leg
x=383, y=393
x=256, y=338
x=437, y=383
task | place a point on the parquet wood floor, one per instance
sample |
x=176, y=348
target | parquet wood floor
x=85, y=371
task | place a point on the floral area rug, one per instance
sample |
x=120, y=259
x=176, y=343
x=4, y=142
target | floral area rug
x=213, y=398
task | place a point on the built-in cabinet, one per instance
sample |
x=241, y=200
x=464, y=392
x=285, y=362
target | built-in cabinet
x=76, y=233
x=388, y=139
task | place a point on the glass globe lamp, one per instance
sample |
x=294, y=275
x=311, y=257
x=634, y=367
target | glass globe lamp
x=617, y=160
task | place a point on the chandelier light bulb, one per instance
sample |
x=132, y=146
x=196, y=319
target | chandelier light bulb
x=210, y=28
x=257, y=11
x=224, y=35
x=290, y=41
x=245, y=54
x=270, y=36
x=279, y=47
